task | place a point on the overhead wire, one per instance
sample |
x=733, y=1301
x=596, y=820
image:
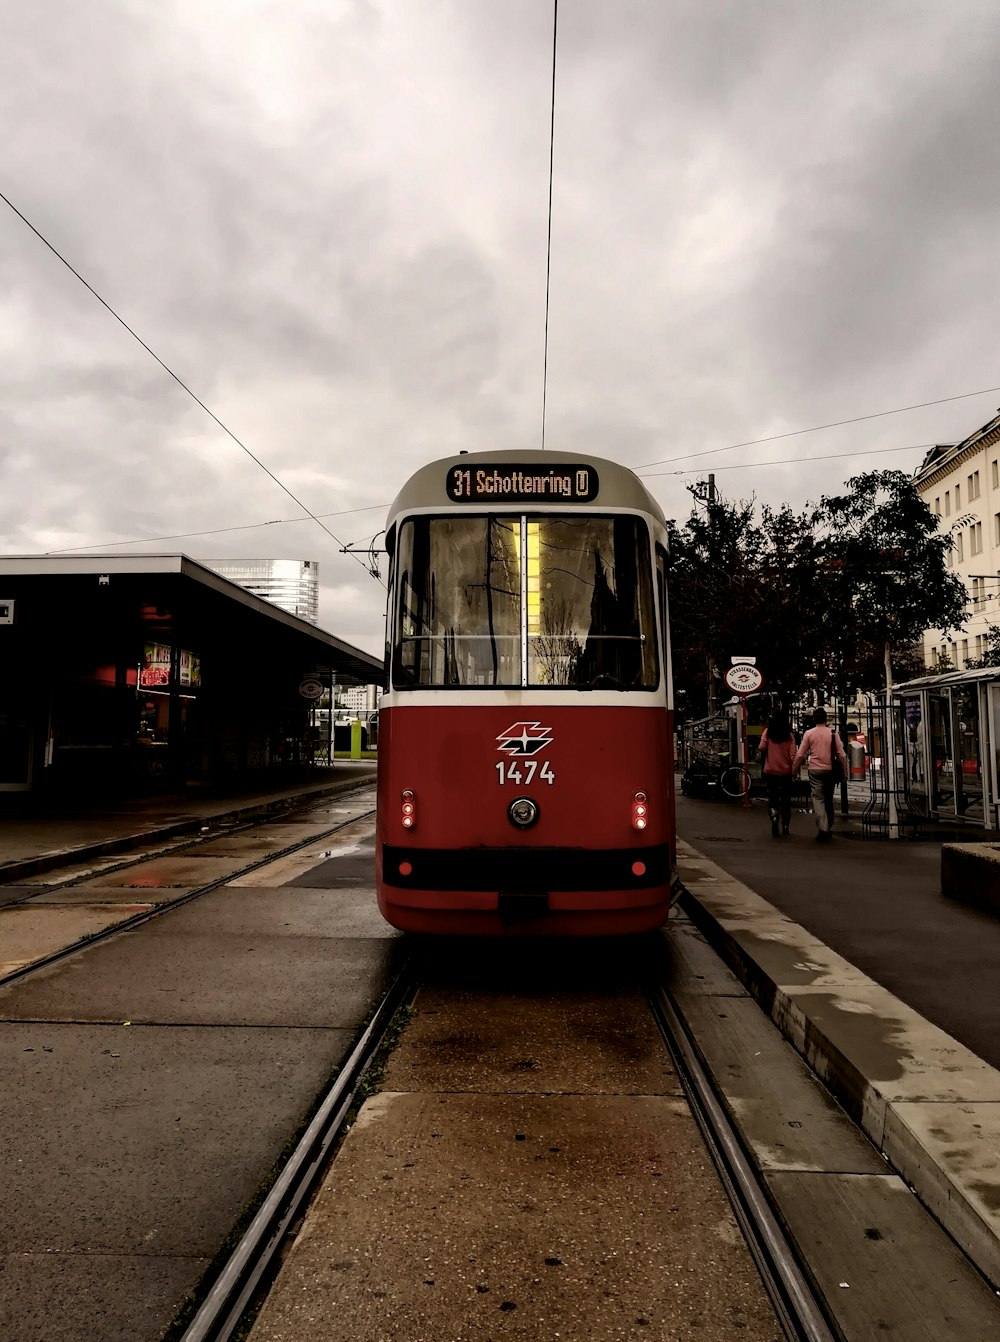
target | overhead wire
x=216, y=531
x=817, y=428
x=167, y=369
x=548, y=245
x=785, y=461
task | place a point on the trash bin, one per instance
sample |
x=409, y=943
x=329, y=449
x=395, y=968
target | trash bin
x=856, y=756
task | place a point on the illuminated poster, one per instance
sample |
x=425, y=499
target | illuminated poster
x=155, y=669
x=190, y=668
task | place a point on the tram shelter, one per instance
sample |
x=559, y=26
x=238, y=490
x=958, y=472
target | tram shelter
x=132, y=673
x=947, y=730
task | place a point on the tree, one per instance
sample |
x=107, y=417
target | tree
x=739, y=586
x=885, y=566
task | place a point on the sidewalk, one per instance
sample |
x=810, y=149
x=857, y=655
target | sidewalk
x=36, y=839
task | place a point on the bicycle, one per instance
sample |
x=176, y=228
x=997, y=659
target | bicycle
x=735, y=781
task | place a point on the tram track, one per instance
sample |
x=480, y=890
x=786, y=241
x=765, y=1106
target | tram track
x=238, y=1291
x=222, y=1314
x=787, y=1285
x=238, y=872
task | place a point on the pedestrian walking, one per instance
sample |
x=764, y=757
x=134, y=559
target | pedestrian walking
x=777, y=753
x=822, y=750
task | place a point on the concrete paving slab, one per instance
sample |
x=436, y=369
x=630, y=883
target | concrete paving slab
x=345, y=859
x=859, y=1232
x=532, y=1044
x=295, y=831
x=28, y=933
x=93, y=866
x=154, y=976
x=181, y=870
x=285, y=911
x=133, y=1140
x=66, y=1297
x=952, y=1152
x=523, y=1217
x=101, y=894
x=692, y=964
x=785, y=1116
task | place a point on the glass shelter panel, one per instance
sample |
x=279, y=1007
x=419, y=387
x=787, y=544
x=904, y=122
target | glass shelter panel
x=942, y=764
x=968, y=767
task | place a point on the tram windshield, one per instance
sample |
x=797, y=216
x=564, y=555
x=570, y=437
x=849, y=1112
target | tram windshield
x=525, y=601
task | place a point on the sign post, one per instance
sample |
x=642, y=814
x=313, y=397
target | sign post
x=743, y=678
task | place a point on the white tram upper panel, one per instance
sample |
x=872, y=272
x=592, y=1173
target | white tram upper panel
x=529, y=481
x=528, y=571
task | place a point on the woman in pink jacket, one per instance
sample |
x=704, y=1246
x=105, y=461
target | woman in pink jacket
x=820, y=745
x=777, y=750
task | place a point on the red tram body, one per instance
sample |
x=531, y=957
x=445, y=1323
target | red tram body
x=525, y=782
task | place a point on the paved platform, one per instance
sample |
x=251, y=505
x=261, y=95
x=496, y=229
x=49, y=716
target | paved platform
x=35, y=837
x=886, y=988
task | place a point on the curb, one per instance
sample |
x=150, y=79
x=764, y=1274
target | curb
x=929, y=1105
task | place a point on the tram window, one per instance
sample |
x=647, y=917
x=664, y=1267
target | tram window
x=458, y=620
x=590, y=615
x=587, y=617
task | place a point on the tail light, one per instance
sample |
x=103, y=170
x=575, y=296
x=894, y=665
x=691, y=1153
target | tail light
x=408, y=809
x=640, y=811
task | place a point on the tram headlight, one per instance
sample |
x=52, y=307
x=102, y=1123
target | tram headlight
x=408, y=809
x=640, y=811
x=523, y=812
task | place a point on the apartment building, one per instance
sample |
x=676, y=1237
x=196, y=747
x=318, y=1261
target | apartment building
x=961, y=484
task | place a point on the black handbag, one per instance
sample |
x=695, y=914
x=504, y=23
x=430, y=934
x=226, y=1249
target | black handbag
x=836, y=768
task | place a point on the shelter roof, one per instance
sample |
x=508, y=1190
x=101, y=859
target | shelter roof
x=349, y=662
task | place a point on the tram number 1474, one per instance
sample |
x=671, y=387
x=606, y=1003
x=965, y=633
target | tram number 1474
x=524, y=773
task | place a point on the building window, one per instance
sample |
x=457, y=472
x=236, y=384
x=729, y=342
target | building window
x=965, y=649
x=979, y=647
x=973, y=484
x=947, y=503
x=958, y=497
x=996, y=528
x=996, y=475
x=937, y=506
x=959, y=550
x=976, y=538
x=978, y=591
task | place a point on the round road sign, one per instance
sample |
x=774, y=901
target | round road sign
x=742, y=678
x=310, y=688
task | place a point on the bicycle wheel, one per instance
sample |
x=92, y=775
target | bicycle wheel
x=735, y=781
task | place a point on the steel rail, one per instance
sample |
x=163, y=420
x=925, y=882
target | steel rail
x=794, y=1300
x=137, y=919
x=225, y=1305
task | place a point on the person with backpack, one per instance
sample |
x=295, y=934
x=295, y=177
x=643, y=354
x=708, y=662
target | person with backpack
x=777, y=754
x=822, y=751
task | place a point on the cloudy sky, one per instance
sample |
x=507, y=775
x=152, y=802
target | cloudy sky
x=329, y=218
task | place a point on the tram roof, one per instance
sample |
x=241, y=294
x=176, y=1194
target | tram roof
x=618, y=486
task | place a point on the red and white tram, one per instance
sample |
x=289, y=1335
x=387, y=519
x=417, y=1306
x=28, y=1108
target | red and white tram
x=525, y=781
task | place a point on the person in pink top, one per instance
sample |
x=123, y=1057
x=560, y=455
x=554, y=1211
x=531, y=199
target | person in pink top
x=777, y=750
x=818, y=746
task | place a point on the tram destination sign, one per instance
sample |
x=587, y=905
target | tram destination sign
x=522, y=484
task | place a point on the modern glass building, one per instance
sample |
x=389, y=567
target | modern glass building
x=292, y=584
